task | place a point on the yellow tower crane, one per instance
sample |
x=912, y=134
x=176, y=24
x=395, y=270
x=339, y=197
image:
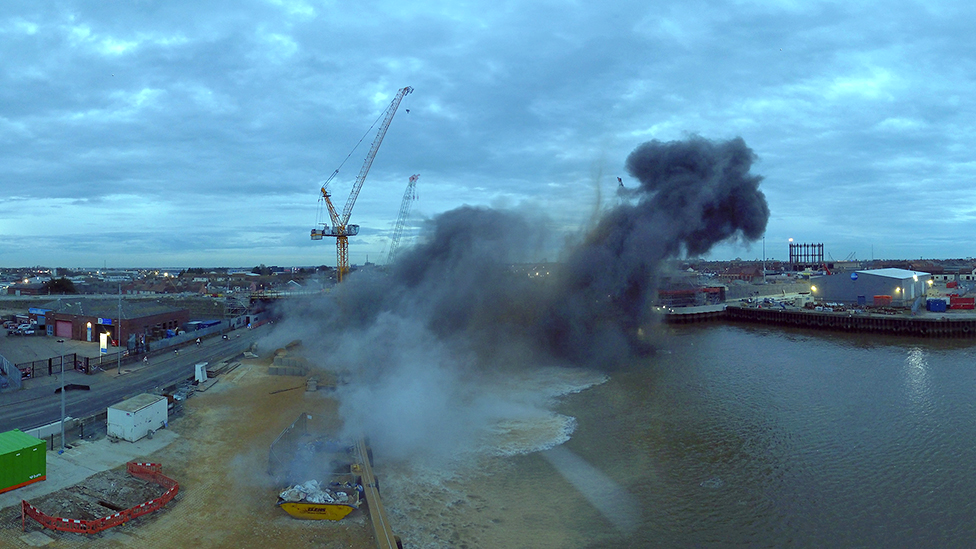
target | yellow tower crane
x=340, y=227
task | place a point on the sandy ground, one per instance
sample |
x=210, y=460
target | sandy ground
x=220, y=459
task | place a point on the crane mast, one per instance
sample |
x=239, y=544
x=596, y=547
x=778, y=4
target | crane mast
x=340, y=228
x=409, y=196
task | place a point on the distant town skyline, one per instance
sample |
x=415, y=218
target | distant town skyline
x=192, y=134
x=171, y=270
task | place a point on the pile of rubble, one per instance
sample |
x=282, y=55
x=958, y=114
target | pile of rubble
x=312, y=492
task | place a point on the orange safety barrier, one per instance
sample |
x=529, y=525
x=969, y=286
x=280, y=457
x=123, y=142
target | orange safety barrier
x=149, y=472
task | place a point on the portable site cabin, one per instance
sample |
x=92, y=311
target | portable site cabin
x=135, y=417
x=23, y=460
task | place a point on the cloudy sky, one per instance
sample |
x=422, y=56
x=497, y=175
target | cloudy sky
x=198, y=134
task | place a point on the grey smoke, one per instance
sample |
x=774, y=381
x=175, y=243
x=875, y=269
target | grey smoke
x=419, y=340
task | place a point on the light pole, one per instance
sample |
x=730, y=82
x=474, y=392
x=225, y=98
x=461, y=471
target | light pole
x=61, y=342
x=764, y=259
x=118, y=332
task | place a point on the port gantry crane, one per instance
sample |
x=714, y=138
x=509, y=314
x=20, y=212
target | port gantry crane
x=409, y=196
x=340, y=227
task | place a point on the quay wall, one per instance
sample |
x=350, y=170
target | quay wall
x=695, y=316
x=943, y=327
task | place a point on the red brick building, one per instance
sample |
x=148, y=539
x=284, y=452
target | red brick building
x=85, y=319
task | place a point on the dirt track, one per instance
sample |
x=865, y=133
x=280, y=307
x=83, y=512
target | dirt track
x=226, y=497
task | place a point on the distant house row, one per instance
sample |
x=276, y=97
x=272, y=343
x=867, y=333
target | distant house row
x=206, y=284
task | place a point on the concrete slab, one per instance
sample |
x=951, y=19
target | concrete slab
x=114, y=535
x=36, y=539
x=18, y=349
x=201, y=387
x=83, y=460
x=240, y=373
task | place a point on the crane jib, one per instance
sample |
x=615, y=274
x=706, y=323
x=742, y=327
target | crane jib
x=380, y=134
x=340, y=224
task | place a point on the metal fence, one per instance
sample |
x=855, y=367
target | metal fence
x=282, y=450
x=93, y=364
x=8, y=378
x=150, y=472
x=188, y=336
x=52, y=366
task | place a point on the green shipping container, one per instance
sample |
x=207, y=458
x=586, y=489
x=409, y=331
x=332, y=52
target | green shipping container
x=23, y=460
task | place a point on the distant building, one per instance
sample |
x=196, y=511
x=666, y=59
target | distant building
x=31, y=288
x=747, y=273
x=897, y=287
x=690, y=297
x=959, y=275
x=85, y=319
x=688, y=289
x=118, y=276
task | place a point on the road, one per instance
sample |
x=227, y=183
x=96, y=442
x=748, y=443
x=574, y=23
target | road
x=40, y=405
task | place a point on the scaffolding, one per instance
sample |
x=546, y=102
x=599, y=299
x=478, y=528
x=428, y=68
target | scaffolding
x=806, y=255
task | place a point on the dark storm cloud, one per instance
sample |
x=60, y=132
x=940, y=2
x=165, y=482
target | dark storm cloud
x=181, y=103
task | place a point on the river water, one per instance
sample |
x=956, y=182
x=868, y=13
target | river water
x=732, y=435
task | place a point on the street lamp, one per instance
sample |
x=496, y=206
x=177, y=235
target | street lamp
x=118, y=331
x=61, y=341
x=764, y=259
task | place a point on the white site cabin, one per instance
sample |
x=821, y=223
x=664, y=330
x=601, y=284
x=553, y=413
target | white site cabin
x=135, y=417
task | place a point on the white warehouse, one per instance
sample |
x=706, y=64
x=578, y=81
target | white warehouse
x=899, y=287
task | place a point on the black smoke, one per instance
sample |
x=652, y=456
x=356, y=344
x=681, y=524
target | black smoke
x=693, y=194
x=422, y=343
x=459, y=282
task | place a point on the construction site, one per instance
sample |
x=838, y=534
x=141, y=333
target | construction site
x=222, y=468
x=217, y=447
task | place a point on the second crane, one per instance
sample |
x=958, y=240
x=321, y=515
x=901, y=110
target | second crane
x=340, y=227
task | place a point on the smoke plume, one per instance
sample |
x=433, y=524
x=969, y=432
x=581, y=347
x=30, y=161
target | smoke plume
x=693, y=194
x=424, y=344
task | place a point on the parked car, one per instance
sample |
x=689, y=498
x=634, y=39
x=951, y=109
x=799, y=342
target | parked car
x=23, y=329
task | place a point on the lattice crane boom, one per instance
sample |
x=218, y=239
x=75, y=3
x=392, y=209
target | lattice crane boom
x=341, y=229
x=380, y=134
x=332, y=211
x=409, y=196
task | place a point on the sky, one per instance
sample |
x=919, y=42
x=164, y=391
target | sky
x=177, y=134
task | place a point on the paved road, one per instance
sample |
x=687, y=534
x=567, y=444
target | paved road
x=38, y=404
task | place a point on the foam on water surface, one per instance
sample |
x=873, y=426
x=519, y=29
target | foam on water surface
x=441, y=505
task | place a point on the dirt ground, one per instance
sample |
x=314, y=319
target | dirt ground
x=226, y=497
